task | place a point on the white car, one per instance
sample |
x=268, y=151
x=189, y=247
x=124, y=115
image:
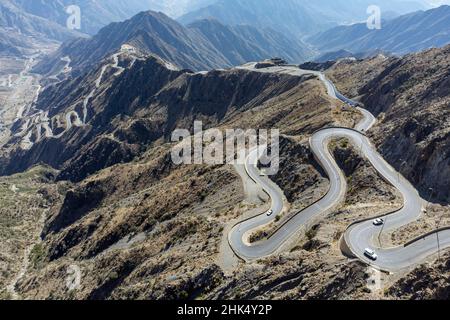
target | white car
x=370, y=254
x=269, y=213
x=378, y=222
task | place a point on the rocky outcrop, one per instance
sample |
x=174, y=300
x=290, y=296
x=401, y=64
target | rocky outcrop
x=317, y=66
x=364, y=182
x=424, y=283
x=293, y=277
x=411, y=96
x=299, y=173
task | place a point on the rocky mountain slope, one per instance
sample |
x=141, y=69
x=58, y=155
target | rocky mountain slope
x=410, y=96
x=243, y=43
x=70, y=127
x=409, y=33
x=14, y=44
x=24, y=202
x=125, y=215
x=111, y=202
x=129, y=225
x=119, y=144
x=202, y=46
x=425, y=282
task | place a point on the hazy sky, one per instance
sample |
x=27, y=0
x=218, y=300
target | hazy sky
x=437, y=2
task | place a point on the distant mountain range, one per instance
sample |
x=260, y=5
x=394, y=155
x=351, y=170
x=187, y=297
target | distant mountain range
x=219, y=34
x=98, y=188
x=96, y=14
x=296, y=17
x=17, y=20
x=202, y=45
x=409, y=33
x=243, y=43
x=21, y=31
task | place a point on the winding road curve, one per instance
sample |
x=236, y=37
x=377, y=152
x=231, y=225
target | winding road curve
x=359, y=236
x=39, y=123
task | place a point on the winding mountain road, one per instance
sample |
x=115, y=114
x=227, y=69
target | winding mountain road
x=38, y=125
x=359, y=236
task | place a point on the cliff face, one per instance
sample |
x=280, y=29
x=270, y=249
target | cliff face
x=411, y=98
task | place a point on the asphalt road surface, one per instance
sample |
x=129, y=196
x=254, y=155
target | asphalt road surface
x=359, y=236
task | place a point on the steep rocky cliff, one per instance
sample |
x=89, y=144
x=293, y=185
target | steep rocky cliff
x=411, y=98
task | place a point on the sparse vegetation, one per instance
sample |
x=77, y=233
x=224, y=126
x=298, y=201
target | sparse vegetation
x=38, y=256
x=21, y=208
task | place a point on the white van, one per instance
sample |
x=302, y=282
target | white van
x=370, y=254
